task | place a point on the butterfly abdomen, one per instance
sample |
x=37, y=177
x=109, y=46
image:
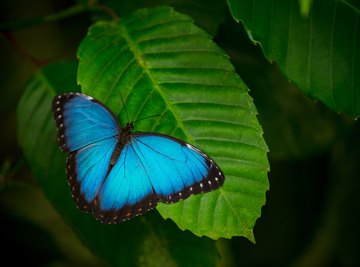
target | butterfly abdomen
x=115, y=155
x=123, y=138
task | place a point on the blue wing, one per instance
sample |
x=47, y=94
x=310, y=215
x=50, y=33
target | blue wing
x=81, y=120
x=87, y=130
x=86, y=171
x=151, y=168
x=127, y=191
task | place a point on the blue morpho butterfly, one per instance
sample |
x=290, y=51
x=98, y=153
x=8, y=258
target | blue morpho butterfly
x=117, y=174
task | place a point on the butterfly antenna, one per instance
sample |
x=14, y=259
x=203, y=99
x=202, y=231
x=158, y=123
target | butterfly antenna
x=147, y=118
x=127, y=115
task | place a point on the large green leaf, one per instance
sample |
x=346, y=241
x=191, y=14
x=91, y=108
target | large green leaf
x=319, y=52
x=161, y=63
x=144, y=241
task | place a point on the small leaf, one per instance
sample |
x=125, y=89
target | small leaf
x=319, y=53
x=161, y=63
x=144, y=241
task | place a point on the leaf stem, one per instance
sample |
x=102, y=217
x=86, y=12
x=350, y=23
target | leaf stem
x=66, y=13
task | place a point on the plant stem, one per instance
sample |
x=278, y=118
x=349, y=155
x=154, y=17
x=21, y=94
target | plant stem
x=66, y=13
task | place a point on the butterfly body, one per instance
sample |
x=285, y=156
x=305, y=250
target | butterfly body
x=117, y=174
x=123, y=138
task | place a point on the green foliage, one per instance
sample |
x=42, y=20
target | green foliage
x=319, y=52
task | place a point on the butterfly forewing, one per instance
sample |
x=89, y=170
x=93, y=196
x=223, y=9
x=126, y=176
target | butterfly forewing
x=81, y=120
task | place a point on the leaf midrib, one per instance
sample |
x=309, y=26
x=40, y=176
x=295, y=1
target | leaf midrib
x=139, y=59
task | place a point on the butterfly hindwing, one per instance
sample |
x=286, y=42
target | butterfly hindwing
x=87, y=169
